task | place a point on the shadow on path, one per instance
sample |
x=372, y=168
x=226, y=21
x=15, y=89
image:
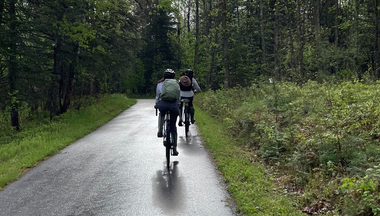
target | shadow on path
x=169, y=190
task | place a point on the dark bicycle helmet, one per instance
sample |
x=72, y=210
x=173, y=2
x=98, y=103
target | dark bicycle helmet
x=169, y=74
x=189, y=73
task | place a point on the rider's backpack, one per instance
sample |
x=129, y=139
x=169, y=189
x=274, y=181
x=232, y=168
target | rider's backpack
x=185, y=83
x=170, y=90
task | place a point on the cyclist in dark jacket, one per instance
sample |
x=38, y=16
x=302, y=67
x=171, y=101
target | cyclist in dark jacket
x=167, y=99
x=188, y=86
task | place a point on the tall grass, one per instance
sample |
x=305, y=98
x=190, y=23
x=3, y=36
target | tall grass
x=34, y=144
x=324, y=137
x=247, y=180
x=32, y=119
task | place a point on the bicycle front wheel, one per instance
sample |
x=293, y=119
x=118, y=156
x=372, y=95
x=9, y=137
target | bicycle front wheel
x=167, y=148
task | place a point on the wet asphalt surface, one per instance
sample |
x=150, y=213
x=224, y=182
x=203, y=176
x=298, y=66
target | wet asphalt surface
x=120, y=169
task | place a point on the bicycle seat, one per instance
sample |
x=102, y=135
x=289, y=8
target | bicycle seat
x=185, y=100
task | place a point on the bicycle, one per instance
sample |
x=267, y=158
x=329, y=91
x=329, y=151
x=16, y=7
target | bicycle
x=167, y=138
x=187, y=115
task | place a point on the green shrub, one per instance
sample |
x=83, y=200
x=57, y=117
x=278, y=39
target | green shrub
x=331, y=129
x=361, y=194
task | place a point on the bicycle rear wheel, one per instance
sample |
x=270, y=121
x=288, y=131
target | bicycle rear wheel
x=167, y=156
x=187, y=121
x=168, y=144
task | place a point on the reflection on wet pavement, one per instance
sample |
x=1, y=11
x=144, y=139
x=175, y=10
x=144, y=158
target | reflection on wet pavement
x=169, y=190
x=191, y=146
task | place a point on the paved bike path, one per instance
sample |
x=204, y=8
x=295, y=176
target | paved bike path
x=119, y=169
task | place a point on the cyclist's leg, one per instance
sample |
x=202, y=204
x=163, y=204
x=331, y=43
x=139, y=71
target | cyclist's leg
x=173, y=119
x=192, y=111
x=160, y=124
x=161, y=115
x=180, y=114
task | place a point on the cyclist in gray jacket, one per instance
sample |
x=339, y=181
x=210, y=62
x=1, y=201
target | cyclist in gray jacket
x=167, y=98
x=188, y=86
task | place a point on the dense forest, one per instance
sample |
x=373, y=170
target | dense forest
x=53, y=52
x=294, y=82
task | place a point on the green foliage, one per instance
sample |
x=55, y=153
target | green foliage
x=248, y=182
x=331, y=130
x=13, y=100
x=92, y=42
x=166, y=4
x=361, y=195
x=136, y=82
x=161, y=48
x=102, y=42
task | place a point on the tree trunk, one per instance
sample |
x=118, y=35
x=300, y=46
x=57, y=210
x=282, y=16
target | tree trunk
x=209, y=18
x=301, y=41
x=376, y=41
x=317, y=28
x=179, y=30
x=1, y=11
x=55, y=91
x=262, y=34
x=291, y=46
x=336, y=22
x=210, y=75
x=184, y=18
x=238, y=15
x=12, y=64
x=179, y=23
x=358, y=71
x=225, y=45
x=53, y=102
x=317, y=19
x=204, y=7
x=276, y=39
x=298, y=37
x=188, y=16
x=70, y=83
x=196, y=36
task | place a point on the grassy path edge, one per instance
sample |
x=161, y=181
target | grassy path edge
x=18, y=156
x=247, y=181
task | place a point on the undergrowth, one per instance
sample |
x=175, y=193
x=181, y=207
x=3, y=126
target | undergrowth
x=247, y=181
x=323, y=138
x=32, y=119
